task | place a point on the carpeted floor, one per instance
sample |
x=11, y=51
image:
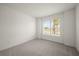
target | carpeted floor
x=39, y=47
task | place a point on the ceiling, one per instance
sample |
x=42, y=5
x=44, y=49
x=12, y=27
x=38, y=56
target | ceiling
x=40, y=9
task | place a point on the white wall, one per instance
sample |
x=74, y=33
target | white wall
x=15, y=27
x=69, y=28
x=77, y=27
x=38, y=28
x=68, y=24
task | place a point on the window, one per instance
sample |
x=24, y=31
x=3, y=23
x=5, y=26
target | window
x=51, y=27
x=46, y=27
x=55, y=27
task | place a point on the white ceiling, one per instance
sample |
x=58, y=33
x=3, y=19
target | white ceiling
x=40, y=9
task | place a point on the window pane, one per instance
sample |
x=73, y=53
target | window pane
x=46, y=27
x=55, y=27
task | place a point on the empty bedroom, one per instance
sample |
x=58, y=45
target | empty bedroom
x=39, y=29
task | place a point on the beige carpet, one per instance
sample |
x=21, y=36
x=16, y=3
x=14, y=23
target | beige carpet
x=39, y=47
